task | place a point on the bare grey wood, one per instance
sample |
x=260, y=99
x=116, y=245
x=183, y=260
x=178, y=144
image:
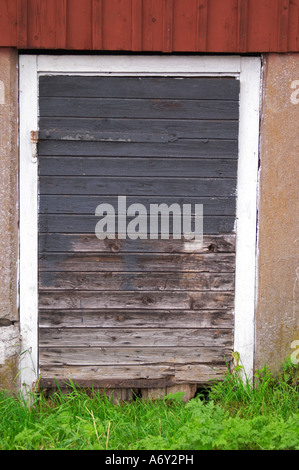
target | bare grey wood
x=131, y=262
x=149, y=281
x=131, y=376
x=92, y=356
x=127, y=318
x=118, y=337
x=69, y=242
x=195, y=300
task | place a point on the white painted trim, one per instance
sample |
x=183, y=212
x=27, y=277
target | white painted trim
x=139, y=65
x=28, y=271
x=244, y=334
x=247, y=69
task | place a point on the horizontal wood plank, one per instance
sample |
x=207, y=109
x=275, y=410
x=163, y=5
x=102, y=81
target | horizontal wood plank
x=139, y=87
x=71, y=242
x=149, y=167
x=127, y=318
x=149, y=281
x=130, y=376
x=59, y=223
x=135, y=130
x=155, y=108
x=86, y=204
x=138, y=186
x=180, y=148
x=117, y=337
x=92, y=356
x=195, y=300
x=131, y=262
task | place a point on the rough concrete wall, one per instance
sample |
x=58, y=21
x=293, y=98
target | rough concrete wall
x=277, y=332
x=9, y=326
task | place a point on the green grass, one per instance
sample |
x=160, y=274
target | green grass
x=230, y=415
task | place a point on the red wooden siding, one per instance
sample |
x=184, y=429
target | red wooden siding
x=220, y=26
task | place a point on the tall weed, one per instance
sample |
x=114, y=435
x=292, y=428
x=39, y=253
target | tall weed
x=233, y=414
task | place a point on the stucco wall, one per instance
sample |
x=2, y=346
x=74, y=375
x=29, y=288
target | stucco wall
x=278, y=234
x=9, y=326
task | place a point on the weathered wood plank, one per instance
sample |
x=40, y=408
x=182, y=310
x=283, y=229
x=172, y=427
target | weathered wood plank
x=140, y=87
x=139, y=108
x=136, y=318
x=180, y=148
x=59, y=223
x=117, y=337
x=131, y=376
x=188, y=390
x=149, y=281
x=138, y=186
x=83, y=204
x=131, y=262
x=160, y=317
x=195, y=300
x=150, y=167
x=66, y=242
x=135, y=130
x=92, y=356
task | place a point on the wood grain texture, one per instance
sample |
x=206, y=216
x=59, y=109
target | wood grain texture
x=131, y=376
x=131, y=262
x=141, y=281
x=64, y=242
x=120, y=337
x=196, y=300
x=145, y=313
x=131, y=356
x=137, y=318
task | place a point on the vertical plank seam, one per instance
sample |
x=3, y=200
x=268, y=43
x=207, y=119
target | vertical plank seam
x=136, y=11
x=97, y=24
x=202, y=26
x=35, y=38
x=283, y=25
x=242, y=26
x=61, y=24
x=167, y=26
x=22, y=23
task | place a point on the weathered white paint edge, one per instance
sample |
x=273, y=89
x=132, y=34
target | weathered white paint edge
x=248, y=69
x=138, y=65
x=246, y=224
x=28, y=229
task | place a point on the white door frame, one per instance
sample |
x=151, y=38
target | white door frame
x=248, y=71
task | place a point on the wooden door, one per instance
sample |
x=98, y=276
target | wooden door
x=135, y=313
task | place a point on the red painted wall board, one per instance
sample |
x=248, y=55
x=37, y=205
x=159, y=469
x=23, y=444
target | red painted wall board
x=215, y=26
